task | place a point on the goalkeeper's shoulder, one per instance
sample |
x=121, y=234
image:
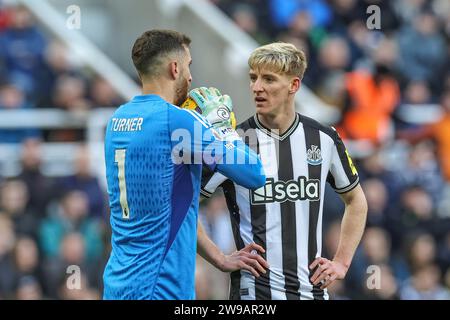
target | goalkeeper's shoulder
x=185, y=118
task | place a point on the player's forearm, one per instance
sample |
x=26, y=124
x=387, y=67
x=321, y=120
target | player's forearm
x=242, y=165
x=352, y=227
x=207, y=249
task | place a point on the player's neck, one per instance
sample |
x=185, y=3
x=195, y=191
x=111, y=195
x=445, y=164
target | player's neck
x=280, y=121
x=159, y=89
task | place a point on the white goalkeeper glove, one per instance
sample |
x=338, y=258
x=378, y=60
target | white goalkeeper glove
x=216, y=108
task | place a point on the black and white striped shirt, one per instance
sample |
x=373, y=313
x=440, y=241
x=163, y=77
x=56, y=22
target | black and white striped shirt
x=285, y=216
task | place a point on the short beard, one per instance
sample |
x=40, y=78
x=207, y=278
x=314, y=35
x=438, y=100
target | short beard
x=181, y=92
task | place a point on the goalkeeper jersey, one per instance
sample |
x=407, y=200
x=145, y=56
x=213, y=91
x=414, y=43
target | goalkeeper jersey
x=153, y=153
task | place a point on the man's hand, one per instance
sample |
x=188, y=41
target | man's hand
x=327, y=271
x=246, y=258
x=217, y=109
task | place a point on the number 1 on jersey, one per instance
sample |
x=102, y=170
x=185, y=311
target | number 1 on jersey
x=120, y=159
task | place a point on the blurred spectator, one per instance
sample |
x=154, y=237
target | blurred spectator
x=329, y=75
x=373, y=98
x=70, y=93
x=415, y=214
x=29, y=288
x=7, y=240
x=358, y=38
x=216, y=222
x=27, y=267
x=422, y=50
x=13, y=201
x=72, y=216
x=407, y=10
x=377, y=165
x=5, y=16
x=22, y=47
x=85, y=181
x=344, y=13
x=40, y=187
x=58, y=63
x=12, y=98
x=85, y=292
x=210, y=283
x=444, y=253
x=375, y=252
x=356, y=273
x=331, y=238
x=420, y=250
x=203, y=288
x=439, y=131
x=103, y=94
x=284, y=11
x=245, y=18
x=376, y=245
x=424, y=285
x=416, y=107
x=337, y=291
x=417, y=92
x=333, y=206
x=385, y=53
x=423, y=170
x=377, y=201
x=259, y=8
x=26, y=258
x=388, y=288
x=71, y=252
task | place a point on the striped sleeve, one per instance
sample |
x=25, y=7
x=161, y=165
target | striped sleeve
x=211, y=180
x=343, y=176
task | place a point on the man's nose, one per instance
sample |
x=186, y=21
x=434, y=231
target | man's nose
x=257, y=86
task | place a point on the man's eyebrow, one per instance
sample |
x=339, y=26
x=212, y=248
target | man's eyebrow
x=269, y=75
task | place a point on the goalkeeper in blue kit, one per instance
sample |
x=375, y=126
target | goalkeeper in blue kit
x=154, y=152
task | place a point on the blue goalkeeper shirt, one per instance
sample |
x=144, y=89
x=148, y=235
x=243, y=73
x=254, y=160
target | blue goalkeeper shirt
x=153, y=155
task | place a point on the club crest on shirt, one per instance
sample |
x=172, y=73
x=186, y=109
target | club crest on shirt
x=314, y=156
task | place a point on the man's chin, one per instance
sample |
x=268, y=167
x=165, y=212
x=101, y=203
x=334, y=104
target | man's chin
x=262, y=108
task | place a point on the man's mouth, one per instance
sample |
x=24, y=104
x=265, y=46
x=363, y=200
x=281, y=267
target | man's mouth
x=260, y=99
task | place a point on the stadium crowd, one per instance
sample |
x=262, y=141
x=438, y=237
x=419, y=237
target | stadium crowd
x=391, y=86
x=48, y=223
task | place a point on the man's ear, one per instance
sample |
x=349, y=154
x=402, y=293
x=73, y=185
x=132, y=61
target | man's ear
x=295, y=85
x=174, y=69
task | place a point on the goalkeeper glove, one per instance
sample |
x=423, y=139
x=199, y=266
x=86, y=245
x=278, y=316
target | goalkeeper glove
x=216, y=108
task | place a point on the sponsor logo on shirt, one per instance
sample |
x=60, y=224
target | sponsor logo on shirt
x=281, y=191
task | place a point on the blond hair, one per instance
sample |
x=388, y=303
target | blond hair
x=279, y=57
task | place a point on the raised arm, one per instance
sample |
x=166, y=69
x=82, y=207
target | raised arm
x=216, y=143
